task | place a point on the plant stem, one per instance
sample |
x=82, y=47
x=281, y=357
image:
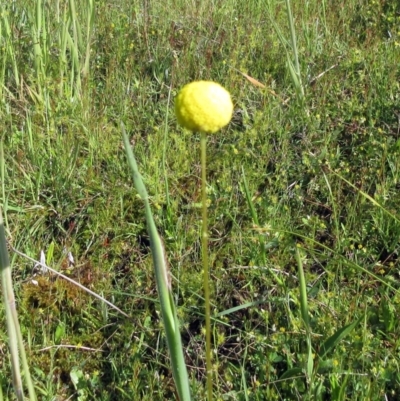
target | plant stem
x=294, y=47
x=204, y=243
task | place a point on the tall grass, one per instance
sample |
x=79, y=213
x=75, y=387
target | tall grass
x=304, y=209
x=15, y=340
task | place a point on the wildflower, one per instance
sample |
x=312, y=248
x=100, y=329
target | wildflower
x=203, y=106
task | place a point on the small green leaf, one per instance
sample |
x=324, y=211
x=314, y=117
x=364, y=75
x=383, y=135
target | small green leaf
x=290, y=373
x=334, y=340
x=310, y=360
x=50, y=253
x=60, y=331
x=389, y=316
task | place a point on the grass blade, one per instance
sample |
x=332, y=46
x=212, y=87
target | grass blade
x=303, y=291
x=9, y=304
x=334, y=340
x=370, y=198
x=304, y=313
x=168, y=309
x=14, y=333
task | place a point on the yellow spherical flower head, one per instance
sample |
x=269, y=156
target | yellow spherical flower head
x=203, y=106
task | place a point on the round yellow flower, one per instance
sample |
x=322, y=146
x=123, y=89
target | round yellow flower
x=203, y=106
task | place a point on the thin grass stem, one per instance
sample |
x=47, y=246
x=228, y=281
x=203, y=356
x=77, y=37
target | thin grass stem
x=304, y=313
x=14, y=332
x=204, y=243
x=294, y=43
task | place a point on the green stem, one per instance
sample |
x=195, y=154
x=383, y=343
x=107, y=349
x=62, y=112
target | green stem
x=294, y=49
x=204, y=243
x=14, y=332
x=9, y=304
x=304, y=314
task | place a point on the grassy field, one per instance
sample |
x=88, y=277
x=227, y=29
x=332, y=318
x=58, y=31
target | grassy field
x=317, y=175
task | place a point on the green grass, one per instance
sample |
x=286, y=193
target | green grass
x=277, y=177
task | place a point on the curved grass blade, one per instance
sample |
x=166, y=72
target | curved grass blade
x=366, y=196
x=335, y=339
x=168, y=310
x=344, y=259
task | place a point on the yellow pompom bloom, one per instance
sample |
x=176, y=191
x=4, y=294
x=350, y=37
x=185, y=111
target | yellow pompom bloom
x=203, y=106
